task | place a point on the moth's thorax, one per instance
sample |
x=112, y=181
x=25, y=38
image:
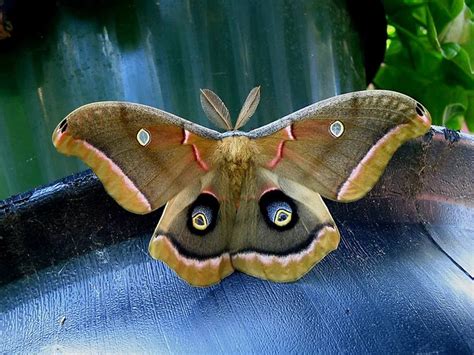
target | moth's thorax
x=236, y=150
x=235, y=159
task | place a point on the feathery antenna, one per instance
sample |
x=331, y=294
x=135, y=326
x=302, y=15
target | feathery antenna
x=248, y=108
x=215, y=109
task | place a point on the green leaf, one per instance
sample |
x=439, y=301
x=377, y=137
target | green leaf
x=430, y=56
x=453, y=116
x=432, y=32
x=458, y=56
x=447, y=104
x=400, y=79
x=444, y=11
x=458, y=30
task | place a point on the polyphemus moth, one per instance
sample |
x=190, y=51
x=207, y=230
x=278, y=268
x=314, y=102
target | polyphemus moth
x=247, y=201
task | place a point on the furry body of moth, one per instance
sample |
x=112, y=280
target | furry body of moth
x=236, y=157
x=247, y=201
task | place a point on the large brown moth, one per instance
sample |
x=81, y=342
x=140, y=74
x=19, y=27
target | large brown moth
x=247, y=201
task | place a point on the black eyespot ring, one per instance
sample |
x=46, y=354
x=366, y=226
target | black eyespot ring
x=420, y=110
x=202, y=214
x=278, y=210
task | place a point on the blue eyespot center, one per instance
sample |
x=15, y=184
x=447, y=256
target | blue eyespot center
x=201, y=217
x=202, y=214
x=200, y=220
x=278, y=210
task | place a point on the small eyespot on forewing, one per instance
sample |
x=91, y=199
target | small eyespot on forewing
x=336, y=129
x=143, y=137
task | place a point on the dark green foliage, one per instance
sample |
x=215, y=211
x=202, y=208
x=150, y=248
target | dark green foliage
x=430, y=56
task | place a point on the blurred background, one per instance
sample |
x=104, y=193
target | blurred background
x=58, y=55
x=61, y=55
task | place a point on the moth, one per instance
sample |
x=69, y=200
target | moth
x=246, y=201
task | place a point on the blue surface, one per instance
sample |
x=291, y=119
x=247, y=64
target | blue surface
x=387, y=289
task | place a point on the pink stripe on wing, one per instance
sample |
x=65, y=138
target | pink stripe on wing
x=360, y=168
x=186, y=136
x=125, y=180
x=279, y=152
x=196, y=264
x=201, y=162
x=289, y=131
x=197, y=156
x=290, y=259
x=278, y=156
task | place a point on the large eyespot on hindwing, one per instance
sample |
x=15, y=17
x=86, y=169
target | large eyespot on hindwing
x=202, y=214
x=278, y=210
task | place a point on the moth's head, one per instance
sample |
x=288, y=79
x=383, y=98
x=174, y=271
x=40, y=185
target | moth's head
x=217, y=112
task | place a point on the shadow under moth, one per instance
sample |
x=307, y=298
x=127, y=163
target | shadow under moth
x=247, y=201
